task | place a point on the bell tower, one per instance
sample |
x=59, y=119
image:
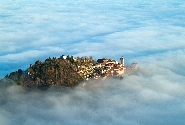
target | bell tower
x=122, y=61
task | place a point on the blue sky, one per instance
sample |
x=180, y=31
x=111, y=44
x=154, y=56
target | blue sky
x=151, y=33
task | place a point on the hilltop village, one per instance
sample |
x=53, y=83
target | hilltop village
x=68, y=71
x=101, y=68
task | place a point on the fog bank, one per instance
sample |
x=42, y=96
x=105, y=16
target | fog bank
x=153, y=95
x=151, y=33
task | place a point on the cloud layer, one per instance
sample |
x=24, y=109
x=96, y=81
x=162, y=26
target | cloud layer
x=153, y=95
x=33, y=30
x=150, y=33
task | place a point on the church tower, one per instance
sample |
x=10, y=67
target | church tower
x=122, y=61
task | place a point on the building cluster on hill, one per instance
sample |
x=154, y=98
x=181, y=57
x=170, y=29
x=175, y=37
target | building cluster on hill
x=101, y=68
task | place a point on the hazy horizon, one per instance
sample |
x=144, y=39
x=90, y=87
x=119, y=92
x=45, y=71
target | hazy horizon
x=151, y=33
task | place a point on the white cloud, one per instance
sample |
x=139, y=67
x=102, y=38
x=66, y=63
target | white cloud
x=151, y=33
x=136, y=99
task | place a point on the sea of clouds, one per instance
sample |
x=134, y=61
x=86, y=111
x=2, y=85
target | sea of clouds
x=151, y=33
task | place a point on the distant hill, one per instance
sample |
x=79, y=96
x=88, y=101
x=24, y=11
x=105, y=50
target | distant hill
x=66, y=71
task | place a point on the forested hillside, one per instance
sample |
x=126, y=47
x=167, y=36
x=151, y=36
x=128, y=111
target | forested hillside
x=51, y=72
